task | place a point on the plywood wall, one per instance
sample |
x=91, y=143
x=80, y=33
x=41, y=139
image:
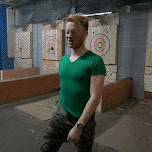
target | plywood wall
x=50, y=50
x=11, y=33
x=102, y=39
x=149, y=42
x=24, y=47
x=148, y=79
x=104, y=43
x=50, y=67
x=52, y=40
x=20, y=44
x=148, y=68
x=111, y=74
x=52, y=46
x=24, y=63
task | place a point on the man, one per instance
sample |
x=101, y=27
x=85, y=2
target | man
x=81, y=80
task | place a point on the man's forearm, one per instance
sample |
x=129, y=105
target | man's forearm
x=96, y=87
x=88, y=110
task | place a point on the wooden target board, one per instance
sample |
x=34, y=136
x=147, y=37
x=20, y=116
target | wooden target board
x=53, y=44
x=24, y=45
x=100, y=44
x=50, y=45
x=104, y=43
x=50, y=67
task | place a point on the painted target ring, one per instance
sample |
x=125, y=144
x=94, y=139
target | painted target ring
x=100, y=44
x=51, y=69
x=23, y=45
x=51, y=44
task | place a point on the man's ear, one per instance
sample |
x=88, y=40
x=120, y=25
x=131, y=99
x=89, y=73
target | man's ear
x=86, y=34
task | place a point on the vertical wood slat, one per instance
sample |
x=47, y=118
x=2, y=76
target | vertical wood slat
x=149, y=42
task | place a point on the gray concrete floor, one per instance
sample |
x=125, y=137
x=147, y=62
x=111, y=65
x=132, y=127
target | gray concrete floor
x=125, y=128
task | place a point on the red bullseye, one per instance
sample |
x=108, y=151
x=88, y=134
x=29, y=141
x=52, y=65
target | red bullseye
x=22, y=45
x=51, y=45
x=99, y=45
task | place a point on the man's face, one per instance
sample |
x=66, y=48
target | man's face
x=75, y=34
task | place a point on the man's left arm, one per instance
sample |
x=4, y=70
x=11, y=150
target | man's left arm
x=96, y=86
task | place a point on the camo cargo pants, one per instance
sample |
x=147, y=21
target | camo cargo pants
x=58, y=129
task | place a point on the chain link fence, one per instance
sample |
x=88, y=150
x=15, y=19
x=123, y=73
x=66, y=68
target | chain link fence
x=33, y=36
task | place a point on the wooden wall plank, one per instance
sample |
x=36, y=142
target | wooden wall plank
x=148, y=87
x=110, y=78
x=24, y=45
x=24, y=63
x=148, y=83
x=111, y=68
x=149, y=41
x=59, y=25
x=149, y=55
x=24, y=88
x=114, y=94
x=106, y=82
x=61, y=43
x=148, y=70
x=50, y=67
x=148, y=79
x=148, y=63
x=147, y=95
x=92, y=23
x=19, y=73
x=111, y=19
x=28, y=28
x=43, y=45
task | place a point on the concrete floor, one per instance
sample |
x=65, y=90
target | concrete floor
x=125, y=128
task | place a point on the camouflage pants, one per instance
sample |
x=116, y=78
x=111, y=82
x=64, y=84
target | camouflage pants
x=58, y=129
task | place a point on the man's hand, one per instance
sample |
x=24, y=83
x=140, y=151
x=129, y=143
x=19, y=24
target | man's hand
x=74, y=135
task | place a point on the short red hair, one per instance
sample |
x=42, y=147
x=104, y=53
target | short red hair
x=78, y=18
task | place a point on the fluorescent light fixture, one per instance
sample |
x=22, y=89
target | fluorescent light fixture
x=97, y=14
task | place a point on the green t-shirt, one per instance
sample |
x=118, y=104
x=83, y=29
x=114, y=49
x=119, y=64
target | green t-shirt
x=75, y=80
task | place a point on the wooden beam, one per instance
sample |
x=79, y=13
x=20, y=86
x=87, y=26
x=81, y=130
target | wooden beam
x=19, y=73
